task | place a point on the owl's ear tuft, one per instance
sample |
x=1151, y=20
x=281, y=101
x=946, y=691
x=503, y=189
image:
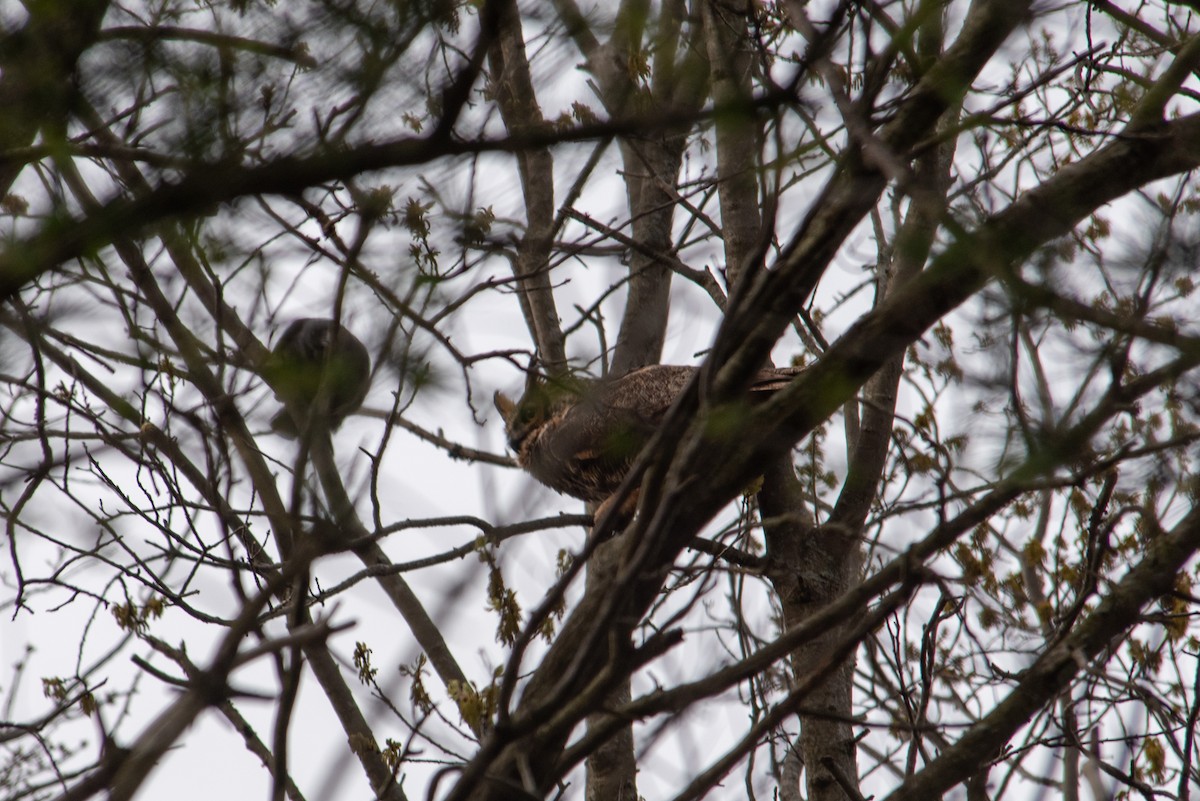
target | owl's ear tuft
x=507, y=409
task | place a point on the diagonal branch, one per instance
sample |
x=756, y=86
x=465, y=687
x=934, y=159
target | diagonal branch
x=1153, y=577
x=426, y=632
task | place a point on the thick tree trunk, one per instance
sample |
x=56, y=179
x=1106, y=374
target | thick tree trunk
x=611, y=768
x=810, y=568
x=813, y=567
x=513, y=85
x=651, y=173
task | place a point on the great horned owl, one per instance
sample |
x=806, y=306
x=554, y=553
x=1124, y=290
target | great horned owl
x=580, y=437
x=317, y=360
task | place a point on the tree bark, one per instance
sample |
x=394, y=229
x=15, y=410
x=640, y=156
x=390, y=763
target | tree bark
x=513, y=85
x=611, y=768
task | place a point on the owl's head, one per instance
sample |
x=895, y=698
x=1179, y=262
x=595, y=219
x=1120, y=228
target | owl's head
x=544, y=400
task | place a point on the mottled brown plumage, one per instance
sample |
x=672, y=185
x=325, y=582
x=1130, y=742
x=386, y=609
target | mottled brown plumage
x=580, y=437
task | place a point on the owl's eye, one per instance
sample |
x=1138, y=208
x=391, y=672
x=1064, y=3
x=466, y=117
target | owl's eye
x=525, y=414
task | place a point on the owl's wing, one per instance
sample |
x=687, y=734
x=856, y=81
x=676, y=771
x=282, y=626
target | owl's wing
x=621, y=415
x=587, y=450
